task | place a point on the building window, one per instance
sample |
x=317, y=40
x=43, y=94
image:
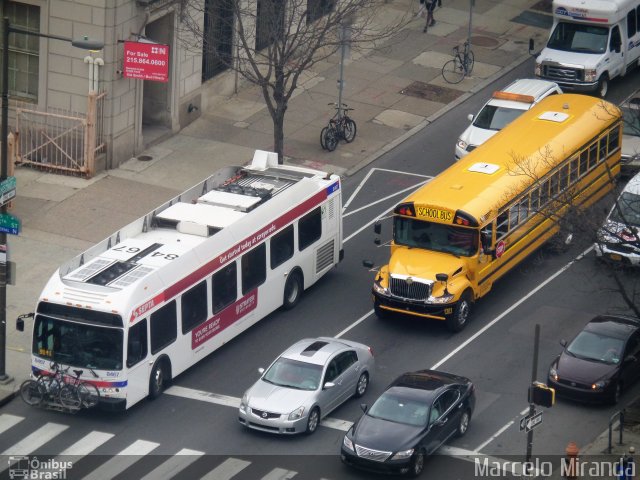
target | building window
x=24, y=50
x=318, y=8
x=269, y=22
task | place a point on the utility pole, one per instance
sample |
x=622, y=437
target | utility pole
x=345, y=39
x=532, y=406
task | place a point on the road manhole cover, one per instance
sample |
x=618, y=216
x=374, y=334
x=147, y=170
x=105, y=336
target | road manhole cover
x=482, y=41
x=426, y=91
x=145, y=158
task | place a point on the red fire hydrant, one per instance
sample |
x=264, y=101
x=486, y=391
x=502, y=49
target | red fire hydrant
x=571, y=460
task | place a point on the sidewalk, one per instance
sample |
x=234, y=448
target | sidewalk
x=396, y=91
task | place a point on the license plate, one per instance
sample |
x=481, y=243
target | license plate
x=615, y=256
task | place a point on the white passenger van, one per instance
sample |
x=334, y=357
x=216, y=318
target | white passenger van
x=591, y=42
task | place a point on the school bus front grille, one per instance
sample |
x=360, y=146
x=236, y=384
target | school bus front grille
x=409, y=288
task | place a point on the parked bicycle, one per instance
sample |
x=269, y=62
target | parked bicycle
x=461, y=66
x=341, y=127
x=60, y=391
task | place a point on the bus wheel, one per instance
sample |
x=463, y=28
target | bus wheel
x=603, y=86
x=157, y=379
x=460, y=317
x=292, y=290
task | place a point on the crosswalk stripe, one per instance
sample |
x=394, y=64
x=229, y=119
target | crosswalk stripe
x=279, y=474
x=36, y=439
x=174, y=465
x=7, y=421
x=122, y=460
x=227, y=469
x=84, y=446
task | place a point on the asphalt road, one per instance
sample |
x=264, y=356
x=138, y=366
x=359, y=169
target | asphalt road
x=495, y=351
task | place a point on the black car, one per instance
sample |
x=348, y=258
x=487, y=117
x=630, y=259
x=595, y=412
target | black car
x=602, y=360
x=416, y=414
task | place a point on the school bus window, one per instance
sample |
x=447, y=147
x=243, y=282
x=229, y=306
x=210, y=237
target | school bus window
x=502, y=224
x=593, y=155
x=614, y=138
x=513, y=217
x=224, y=287
x=564, y=177
x=523, y=209
x=602, y=154
x=535, y=200
x=554, y=182
x=573, y=175
x=584, y=162
x=164, y=327
x=434, y=236
x=544, y=193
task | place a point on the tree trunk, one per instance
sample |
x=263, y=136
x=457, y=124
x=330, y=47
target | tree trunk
x=278, y=134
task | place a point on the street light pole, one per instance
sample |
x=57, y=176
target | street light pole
x=7, y=28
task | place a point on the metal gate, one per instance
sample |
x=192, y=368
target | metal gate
x=61, y=141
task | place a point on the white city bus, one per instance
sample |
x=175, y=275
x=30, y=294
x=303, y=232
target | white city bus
x=160, y=294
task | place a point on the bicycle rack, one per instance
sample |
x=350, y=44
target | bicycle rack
x=49, y=402
x=620, y=414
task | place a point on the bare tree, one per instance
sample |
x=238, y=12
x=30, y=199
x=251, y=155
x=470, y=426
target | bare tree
x=276, y=41
x=554, y=198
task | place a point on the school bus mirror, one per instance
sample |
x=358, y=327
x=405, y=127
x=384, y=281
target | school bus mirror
x=367, y=263
x=376, y=240
x=377, y=228
x=19, y=324
x=531, y=45
x=442, y=277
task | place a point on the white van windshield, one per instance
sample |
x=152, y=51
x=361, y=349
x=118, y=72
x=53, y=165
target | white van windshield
x=574, y=37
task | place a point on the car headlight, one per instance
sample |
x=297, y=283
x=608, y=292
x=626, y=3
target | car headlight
x=590, y=75
x=599, y=385
x=553, y=373
x=462, y=144
x=296, y=414
x=243, y=403
x=404, y=454
x=348, y=444
x=538, y=70
x=441, y=300
x=378, y=288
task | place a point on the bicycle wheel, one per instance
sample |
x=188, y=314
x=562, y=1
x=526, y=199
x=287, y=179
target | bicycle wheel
x=470, y=61
x=50, y=384
x=323, y=132
x=452, y=71
x=331, y=139
x=89, y=394
x=32, y=393
x=69, y=397
x=349, y=130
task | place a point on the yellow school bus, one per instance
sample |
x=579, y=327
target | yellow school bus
x=462, y=231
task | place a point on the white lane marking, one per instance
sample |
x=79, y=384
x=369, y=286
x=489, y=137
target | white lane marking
x=525, y=411
x=336, y=423
x=174, y=465
x=227, y=469
x=84, y=446
x=35, y=440
x=203, y=396
x=493, y=437
x=7, y=421
x=123, y=460
x=384, y=199
x=357, y=322
x=279, y=474
x=510, y=309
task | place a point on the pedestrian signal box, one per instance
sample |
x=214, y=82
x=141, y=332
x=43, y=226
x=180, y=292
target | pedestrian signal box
x=541, y=394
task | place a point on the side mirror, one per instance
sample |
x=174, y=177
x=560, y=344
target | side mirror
x=377, y=228
x=328, y=385
x=20, y=324
x=367, y=263
x=531, y=46
x=364, y=407
x=563, y=342
x=261, y=370
x=442, y=277
x=485, y=239
x=470, y=117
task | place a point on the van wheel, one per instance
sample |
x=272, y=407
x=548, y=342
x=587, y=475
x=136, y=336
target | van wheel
x=157, y=379
x=460, y=317
x=292, y=290
x=603, y=85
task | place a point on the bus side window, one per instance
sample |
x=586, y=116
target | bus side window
x=502, y=224
x=486, y=237
x=164, y=327
x=194, y=307
x=224, y=287
x=254, y=268
x=137, y=343
x=281, y=247
x=309, y=228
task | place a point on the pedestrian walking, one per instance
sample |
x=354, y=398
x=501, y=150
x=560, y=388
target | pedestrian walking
x=422, y=10
x=431, y=6
x=627, y=467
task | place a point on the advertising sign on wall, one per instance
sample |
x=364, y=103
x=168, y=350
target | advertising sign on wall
x=146, y=61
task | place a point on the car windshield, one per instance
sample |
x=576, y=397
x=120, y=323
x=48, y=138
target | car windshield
x=495, y=118
x=631, y=120
x=576, y=37
x=294, y=374
x=435, y=236
x=396, y=408
x=596, y=347
x=627, y=210
x=78, y=344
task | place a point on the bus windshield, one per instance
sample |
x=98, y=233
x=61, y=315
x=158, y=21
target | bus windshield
x=435, y=236
x=575, y=37
x=77, y=344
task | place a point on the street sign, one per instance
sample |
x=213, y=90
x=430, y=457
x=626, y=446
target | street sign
x=146, y=61
x=7, y=189
x=9, y=224
x=530, y=422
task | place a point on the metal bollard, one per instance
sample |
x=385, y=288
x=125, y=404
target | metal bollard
x=571, y=461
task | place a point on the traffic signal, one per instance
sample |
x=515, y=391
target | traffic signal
x=540, y=394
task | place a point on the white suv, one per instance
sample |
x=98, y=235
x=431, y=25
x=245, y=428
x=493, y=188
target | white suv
x=503, y=107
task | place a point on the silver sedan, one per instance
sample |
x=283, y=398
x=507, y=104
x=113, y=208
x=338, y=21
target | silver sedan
x=305, y=383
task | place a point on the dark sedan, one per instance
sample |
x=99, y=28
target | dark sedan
x=414, y=416
x=602, y=360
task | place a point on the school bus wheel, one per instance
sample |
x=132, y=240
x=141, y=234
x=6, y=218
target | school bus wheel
x=458, y=320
